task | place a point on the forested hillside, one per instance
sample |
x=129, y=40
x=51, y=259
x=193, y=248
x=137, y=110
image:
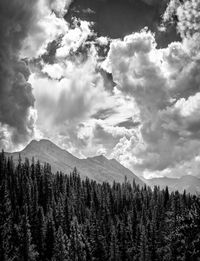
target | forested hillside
x=63, y=218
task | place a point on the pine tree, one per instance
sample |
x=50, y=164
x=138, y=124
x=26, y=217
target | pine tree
x=114, y=254
x=40, y=232
x=61, y=251
x=144, y=251
x=27, y=249
x=77, y=242
x=50, y=237
x=5, y=223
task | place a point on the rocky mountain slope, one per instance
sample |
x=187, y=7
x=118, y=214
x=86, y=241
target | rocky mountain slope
x=98, y=168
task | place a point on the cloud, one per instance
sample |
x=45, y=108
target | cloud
x=74, y=38
x=26, y=29
x=134, y=71
x=102, y=40
x=118, y=18
x=186, y=16
x=60, y=7
x=75, y=106
x=103, y=114
x=47, y=28
x=123, y=151
x=129, y=123
x=78, y=94
x=69, y=89
x=164, y=84
x=16, y=98
x=54, y=71
x=99, y=141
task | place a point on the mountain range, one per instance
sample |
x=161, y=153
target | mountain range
x=98, y=168
x=189, y=183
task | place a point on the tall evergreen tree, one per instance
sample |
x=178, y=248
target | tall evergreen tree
x=50, y=237
x=144, y=251
x=114, y=254
x=5, y=223
x=61, y=247
x=27, y=248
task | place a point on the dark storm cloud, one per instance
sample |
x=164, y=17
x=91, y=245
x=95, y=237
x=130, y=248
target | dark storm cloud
x=16, y=96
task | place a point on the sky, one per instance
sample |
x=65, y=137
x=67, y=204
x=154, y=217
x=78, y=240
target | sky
x=114, y=77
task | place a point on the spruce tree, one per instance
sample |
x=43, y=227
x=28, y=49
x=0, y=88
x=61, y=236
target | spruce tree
x=144, y=251
x=5, y=223
x=27, y=248
x=114, y=254
x=61, y=251
x=50, y=237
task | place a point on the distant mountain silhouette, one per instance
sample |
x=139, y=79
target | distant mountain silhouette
x=98, y=168
x=189, y=183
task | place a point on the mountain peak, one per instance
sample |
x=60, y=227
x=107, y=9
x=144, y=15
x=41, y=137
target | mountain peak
x=45, y=141
x=100, y=158
x=98, y=168
x=114, y=160
x=31, y=145
x=33, y=142
x=41, y=145
x=40, y=142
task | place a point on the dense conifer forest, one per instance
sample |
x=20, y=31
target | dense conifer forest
x=57, y=217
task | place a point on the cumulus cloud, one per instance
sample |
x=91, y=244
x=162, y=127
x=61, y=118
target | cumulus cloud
x=135, y=72
x=102, y=40
x=60, y=7
x=26, y=29
x=75, y=106
x=74, y=38
x=78, y=94
x=54, y=71
x=165, y=86
x=186, y=14
x=46, y=28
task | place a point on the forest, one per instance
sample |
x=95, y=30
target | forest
x=47, y=216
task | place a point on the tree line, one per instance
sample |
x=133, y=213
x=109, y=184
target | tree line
x=57, y=217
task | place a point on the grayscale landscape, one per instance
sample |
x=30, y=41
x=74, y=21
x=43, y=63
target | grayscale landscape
x=100, y=130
